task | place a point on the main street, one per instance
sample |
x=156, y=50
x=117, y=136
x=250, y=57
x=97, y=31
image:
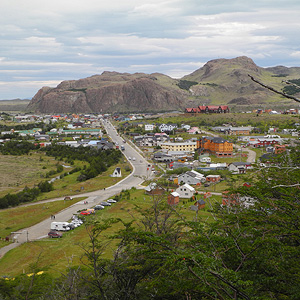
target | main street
x=140, y=172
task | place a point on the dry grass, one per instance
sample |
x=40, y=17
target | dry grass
x=18, y=171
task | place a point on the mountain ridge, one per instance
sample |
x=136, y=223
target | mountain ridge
x=219, y=81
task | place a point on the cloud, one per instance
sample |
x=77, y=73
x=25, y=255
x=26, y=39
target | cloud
x=62, y=40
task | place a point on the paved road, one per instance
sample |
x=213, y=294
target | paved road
x=139, y=174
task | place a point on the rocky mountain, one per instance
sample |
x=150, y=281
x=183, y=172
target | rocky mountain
x=220, y=81
x=110, y=92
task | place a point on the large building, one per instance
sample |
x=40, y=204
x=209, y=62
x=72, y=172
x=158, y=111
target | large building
x=215, y=145
x=216, y=109
x=185, y=146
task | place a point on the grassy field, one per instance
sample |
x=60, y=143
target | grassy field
x=235, y=119
x=18, y=171
x=55, y=255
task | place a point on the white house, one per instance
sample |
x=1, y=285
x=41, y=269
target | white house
x=238, y=167
x=205, y=159
x=191, y=177
x=149, y=127
x=167, y=127
x=117, y=172
x=185, y=191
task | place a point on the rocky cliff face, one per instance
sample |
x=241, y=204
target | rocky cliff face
x=220, y=81
x=109, y=92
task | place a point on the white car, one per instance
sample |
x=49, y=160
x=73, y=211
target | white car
x=111, y=201
x=133, y=158
x=129, y=157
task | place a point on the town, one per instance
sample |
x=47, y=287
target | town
x=187, y=162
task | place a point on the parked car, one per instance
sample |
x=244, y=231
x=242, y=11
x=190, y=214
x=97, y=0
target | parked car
x=111, y=201
x=85, y=213
x=54, y=234
x=75, y=224
x=98, y=207
x=72, y=226
x=105, y=203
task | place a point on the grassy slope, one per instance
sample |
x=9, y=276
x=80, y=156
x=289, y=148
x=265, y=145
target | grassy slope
x=57, y=254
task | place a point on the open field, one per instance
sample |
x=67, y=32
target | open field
x=18, y=171
x=55, y=255
x=16, y=105
x=235, y=119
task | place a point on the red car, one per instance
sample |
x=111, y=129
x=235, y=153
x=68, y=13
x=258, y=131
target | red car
x=85, y=212
x=55, y=234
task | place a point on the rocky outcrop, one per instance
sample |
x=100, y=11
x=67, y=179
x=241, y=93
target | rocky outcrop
x=109, y=92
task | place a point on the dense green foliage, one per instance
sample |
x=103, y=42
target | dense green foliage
x=27, y=195
x=186, y=84
x=292, y=89
x=18, y=147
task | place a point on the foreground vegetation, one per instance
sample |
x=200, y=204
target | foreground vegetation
x=152, y=251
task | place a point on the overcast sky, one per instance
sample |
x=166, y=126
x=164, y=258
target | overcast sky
x=45, y=42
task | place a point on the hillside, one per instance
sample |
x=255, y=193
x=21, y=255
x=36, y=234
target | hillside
x=226, y=81
x=220, y=81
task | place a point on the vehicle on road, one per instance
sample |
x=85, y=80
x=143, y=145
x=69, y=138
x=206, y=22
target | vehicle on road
x=61, y=226
x=122, y=147
x=111, y=201
x=98, y=207
x=129, y=158
x=105, y=203
x=133, y=158
x=54, y=234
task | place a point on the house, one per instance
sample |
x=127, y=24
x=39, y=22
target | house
x=194, y=130
x=213, y=178
x=240, y=130
x=162, y=157
x=154, y=189
x=167, y=127
x=117, y=172
x=191, y=177
x=205, y=159
x=185, y=191
x=175, y=165
x=200, y=204
x=149, y=127
x=238, y=167
x=173, y=198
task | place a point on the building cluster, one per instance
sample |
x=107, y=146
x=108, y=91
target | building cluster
x=208, y=109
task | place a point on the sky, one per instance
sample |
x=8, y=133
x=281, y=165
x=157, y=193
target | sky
x=43, y=42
